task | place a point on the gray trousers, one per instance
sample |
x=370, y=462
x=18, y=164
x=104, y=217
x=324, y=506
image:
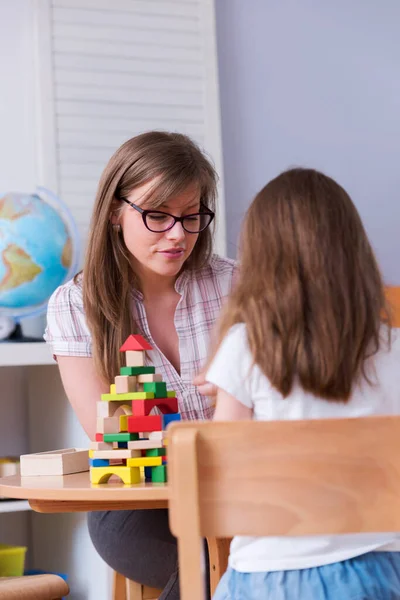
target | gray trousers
x=139, y=545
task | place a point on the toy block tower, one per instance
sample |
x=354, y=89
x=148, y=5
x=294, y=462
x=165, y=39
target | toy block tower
x=131, y=421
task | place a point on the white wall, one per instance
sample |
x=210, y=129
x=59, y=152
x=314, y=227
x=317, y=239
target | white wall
x=17, y=103
x=317, y=84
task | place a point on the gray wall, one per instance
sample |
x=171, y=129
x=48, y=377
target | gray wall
x=314, y=83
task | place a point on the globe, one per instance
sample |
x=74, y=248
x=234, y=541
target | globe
x=39, y=250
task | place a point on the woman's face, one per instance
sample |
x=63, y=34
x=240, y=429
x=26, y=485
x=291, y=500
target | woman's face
x=163, y=253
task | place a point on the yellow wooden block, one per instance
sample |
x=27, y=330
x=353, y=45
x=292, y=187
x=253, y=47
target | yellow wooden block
x=130, y=396
x=171, y=394
x=144, y=461
x=91, y=453
x=128, y=475
x=123, y=423
x=113, y=388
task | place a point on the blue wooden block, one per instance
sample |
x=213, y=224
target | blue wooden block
x=147, y=473
x=123, y=445
x=99, y=462
x=167, y=419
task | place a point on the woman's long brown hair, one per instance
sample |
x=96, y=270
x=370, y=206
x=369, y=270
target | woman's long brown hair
x=309, y=291
x=175, y=162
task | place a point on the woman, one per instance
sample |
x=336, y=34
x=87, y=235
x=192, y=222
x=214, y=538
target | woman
x=149, y=268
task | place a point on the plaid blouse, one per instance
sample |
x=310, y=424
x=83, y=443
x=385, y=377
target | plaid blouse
x=202, y=296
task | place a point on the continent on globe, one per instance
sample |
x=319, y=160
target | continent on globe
x=66, y=255
x=20, y=268
x=12, y=208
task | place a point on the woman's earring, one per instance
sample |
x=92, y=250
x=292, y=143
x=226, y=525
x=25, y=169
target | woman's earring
x=116, y=227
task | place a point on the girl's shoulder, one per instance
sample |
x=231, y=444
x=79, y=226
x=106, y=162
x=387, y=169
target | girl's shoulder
x=215, y=279
x=217, y=269
x=68, y=294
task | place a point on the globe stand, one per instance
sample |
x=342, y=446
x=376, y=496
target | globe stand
x=17, y=337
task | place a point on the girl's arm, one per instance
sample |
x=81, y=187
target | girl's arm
x=230, y=409
x=83, y=389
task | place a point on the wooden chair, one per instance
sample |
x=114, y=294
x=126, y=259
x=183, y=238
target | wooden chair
x=279, y=478
x=393, y=296
x=125, y=589
x=35, y=587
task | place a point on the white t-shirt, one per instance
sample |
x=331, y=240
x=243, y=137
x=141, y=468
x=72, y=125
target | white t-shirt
x=230, y=372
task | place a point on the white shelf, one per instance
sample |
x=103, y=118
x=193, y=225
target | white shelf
x=25, y=353
x=7, y=506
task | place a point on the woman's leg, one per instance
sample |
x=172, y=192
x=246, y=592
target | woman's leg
x=139, y=545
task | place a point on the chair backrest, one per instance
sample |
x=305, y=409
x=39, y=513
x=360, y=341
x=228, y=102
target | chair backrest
x=328, y=476
x=393, y=296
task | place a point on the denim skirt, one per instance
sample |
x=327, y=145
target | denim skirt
x=372, y=576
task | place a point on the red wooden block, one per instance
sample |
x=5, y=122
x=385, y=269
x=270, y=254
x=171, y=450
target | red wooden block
x=139, y=424
x=99, y=437
x=141, y=408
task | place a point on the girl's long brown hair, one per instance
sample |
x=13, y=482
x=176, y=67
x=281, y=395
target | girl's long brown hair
x=309, y=291
x=175, y=162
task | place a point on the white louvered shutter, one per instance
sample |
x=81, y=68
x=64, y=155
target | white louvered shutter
x=110, y=69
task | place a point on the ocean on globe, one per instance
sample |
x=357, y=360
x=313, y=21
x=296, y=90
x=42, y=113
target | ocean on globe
x=39, y=250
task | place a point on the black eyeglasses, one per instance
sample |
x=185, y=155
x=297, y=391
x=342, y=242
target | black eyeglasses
x=158, y=221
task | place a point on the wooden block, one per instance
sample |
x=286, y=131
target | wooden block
x=171, y=394
x=100, y=445
x=134, y=358
x=151, y=461
x=145, y=444
x=117, y=453
x=137, y=370
x=107, y=425
x=99, y=462
x=112, y=409
x=99, y=437
x=55, y=462
x=156, y=452
x=149, y=378
x=113, y=389
x=117, y=462
x=120, y=437
x=142, y=408
x=167, y=419
x=130, y=396
x=129, y=475
x=140, y=424
x=157, y=435
x=124, y=384
x=123, y=423
x=158, y=388
x=159, y=474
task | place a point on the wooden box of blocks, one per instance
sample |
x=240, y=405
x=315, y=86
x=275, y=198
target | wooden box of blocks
x=56, y=462
x=131, y=422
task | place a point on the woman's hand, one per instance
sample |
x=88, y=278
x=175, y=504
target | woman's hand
x=205, y=388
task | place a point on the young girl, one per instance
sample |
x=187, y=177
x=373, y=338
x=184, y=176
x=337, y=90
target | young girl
x=306, y=335
x=149, y=268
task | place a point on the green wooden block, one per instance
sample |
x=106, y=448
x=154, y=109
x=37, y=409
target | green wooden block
x=171, y=394
x=159, y=474
x=137, y=370
x=156, y=452
x=129, y=396
x=159, y=388
x=120, y=437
